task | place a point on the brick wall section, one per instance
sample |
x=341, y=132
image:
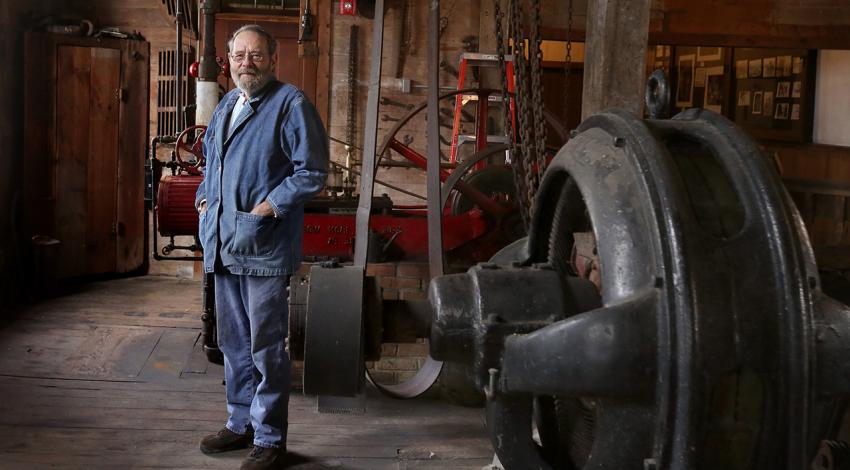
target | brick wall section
x=399, y=361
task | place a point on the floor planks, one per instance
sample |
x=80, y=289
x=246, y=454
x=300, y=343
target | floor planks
x=111, y=376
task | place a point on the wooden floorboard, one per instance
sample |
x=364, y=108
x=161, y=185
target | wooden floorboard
x=110, y=376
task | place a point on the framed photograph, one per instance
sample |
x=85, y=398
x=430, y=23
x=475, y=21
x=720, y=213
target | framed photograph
x=781, y=111
x=767, y=105
x=744, y=98
x=709, y=53
x=659, y=51
x=795, y=112
x=685, y=90
x=755, y=68
x=758, y=102
x=797, y=66
x=741, y=69
x=769, y=68
x=783, y=90
x=713, y=99
x=783, y=66
x=797, y=89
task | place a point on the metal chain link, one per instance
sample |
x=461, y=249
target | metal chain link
x=507, y=117
x=568, y=63
x=523, y=100
x=537, y=92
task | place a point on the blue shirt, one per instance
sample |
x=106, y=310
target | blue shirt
x=277, y=152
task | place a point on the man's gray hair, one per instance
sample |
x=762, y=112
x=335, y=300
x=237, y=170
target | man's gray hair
x=270, y=41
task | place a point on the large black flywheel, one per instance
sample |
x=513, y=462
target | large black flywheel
x=706, y=343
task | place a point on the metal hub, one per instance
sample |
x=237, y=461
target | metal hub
x=712, y=346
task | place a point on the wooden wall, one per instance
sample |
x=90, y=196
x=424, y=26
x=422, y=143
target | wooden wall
x=15, y=17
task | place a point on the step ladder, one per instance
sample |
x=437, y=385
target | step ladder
x=481, y=138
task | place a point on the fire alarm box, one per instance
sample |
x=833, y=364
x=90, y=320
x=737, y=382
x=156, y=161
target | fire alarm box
x=347, y=7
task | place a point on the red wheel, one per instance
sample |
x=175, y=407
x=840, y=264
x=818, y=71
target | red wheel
x=189, y=149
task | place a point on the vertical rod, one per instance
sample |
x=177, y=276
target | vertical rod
x=178, y=69
x=435, y=211
x=370, y=137
x=207, y=85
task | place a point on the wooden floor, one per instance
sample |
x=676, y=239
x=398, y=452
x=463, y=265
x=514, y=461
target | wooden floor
x=111, y=376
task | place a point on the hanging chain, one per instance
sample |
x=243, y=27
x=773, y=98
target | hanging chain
x=536, y=58
x=525, y=149
x=568, y=63
x=351, y=78
x=507, y=116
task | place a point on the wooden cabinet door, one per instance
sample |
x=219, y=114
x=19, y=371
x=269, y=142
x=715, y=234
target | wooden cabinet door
x=86, y=130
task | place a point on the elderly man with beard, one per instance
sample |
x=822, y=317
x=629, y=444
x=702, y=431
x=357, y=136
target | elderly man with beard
x=267, y=154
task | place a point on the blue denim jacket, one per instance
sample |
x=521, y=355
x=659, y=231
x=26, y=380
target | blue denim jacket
x=277, y=152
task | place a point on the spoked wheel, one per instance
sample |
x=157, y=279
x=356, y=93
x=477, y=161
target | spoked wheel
x=189, y=149
x=701, y=350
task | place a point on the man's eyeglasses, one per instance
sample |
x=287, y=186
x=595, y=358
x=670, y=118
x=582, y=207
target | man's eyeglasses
x=255, y=57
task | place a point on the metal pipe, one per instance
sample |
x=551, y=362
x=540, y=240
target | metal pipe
x=435, y=212
x=207, y=87
x=178, y=69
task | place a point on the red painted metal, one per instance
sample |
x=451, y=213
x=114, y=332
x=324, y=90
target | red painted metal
x=347, y=7
x=175, y=201
x=414, y=157
x=332, y=235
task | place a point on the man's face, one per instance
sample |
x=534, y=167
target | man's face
x=256, y=66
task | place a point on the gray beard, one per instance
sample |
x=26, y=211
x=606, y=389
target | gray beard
x=250, y=85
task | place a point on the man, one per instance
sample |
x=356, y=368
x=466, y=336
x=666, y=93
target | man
x=267, y=154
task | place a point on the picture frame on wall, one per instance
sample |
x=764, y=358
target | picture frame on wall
x=755, y=68
x=769, y=68
x=706, y=54
x=797, y=66
x=767, y=103
x=744, y=98
x=758, y=102
x=797, y=89
x=713, y=98
x=685, y=89
x=783, y=66
x=795, y=112
x=783, y=90
x=781, y=111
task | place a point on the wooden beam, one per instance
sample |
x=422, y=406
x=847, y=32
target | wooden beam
x=617, y=32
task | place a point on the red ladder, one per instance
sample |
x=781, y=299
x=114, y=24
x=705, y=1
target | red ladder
x=481, y=138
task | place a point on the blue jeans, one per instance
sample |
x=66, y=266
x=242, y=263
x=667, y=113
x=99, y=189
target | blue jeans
x=251, y=318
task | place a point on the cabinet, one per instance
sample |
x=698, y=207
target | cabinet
x=86, y=131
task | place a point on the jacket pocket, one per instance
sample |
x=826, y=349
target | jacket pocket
x=254, y=235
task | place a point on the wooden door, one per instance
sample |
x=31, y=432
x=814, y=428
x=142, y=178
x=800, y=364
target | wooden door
x=87, y=106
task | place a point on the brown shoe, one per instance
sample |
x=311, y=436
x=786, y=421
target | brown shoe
x=263, y=458
x=226, y=440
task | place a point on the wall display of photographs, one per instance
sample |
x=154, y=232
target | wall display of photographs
x=741, y=69
x=797, y=89
x=783, y=90
x=755, y=68
x=758, y=102
x=713, y=98
x=783, y=66
x=744, y=98
x=781, y=111
x=769, y=68
x=685, y=90
x=795, y=112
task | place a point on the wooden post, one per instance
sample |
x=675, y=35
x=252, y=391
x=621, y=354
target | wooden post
x=615, y=59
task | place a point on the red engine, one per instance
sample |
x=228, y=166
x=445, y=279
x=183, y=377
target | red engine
x=176, y=213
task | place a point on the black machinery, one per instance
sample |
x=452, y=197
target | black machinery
x=709, y=344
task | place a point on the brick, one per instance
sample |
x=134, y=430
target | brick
x=395, y=363
x=408, y=283
x=380, y=269
x=412, y=349
x=404, y=376
x=387, y=282
x=389, y=350
x=418, y=270
x=412, y=294
x=389, y=294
